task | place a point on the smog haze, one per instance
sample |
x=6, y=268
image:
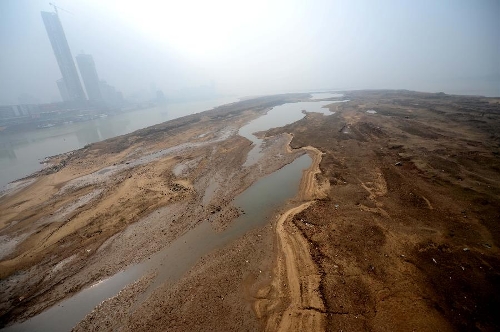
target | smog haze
x=257, y=47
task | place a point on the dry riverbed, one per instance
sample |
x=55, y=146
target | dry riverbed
x=116, y=202
x=394, y=225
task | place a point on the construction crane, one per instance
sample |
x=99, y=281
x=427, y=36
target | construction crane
x=56, y=8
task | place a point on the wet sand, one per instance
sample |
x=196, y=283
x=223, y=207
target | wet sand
x=114, y=203
x=394, y=226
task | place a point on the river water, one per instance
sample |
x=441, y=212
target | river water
x=258, y=201
x=280, y=116
x=21, y=152
x=325, y=95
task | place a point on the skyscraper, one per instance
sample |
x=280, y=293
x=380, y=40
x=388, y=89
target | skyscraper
x=63, y=90
x=89, y=75
x=63, y=55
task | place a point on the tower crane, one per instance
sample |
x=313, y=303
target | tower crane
x=56, y=8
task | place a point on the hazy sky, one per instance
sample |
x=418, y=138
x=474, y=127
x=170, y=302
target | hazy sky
x=258, y=46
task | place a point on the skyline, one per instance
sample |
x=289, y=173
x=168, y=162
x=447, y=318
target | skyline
x=259, y=48
x=90, y=78
x=72, y=89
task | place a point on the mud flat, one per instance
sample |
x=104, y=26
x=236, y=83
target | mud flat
x=280, y=116
x=407, y=237
x=118, y=202
x=394, y=225
x=170, y=263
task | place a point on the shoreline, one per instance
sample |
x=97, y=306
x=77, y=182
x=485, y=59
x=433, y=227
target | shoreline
x=295, y=274
x=393, y=204
x=186, y=221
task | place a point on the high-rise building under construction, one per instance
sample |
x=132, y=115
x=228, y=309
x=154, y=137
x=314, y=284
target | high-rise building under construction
x=63, y=55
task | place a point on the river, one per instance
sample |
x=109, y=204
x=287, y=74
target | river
x=21, y=152
x=282, y=115
x=258, y=201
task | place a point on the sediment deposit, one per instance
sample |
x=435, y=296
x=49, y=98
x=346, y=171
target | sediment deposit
x=395, y=225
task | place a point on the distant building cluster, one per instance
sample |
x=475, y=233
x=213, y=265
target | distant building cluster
x=12, y=114
x=18, y=111
x=99, y=93
x=78, y=104
x=84, y=95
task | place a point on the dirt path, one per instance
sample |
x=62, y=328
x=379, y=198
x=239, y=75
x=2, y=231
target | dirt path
x=312, y=186
x=407, y=239
x=296, y=276
x=77, y=211
x=301, y=277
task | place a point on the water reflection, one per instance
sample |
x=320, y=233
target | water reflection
x=6, y=151
x=258, y=201
x=21, y=152
x=88, y=135
x=280, y=116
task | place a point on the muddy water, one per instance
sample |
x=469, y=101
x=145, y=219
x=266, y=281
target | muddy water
x=278, y=117
x=258, y=202
x=21, y=152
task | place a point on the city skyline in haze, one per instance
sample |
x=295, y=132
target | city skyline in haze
x=260, y=47
x=70, y=85
x=88, y=72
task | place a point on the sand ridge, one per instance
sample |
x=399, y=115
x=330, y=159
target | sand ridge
x=394, y=227
x=296, y=276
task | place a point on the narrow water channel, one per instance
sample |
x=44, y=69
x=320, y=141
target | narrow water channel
x=258, y=201
x=281, y=116
x=325, y=95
